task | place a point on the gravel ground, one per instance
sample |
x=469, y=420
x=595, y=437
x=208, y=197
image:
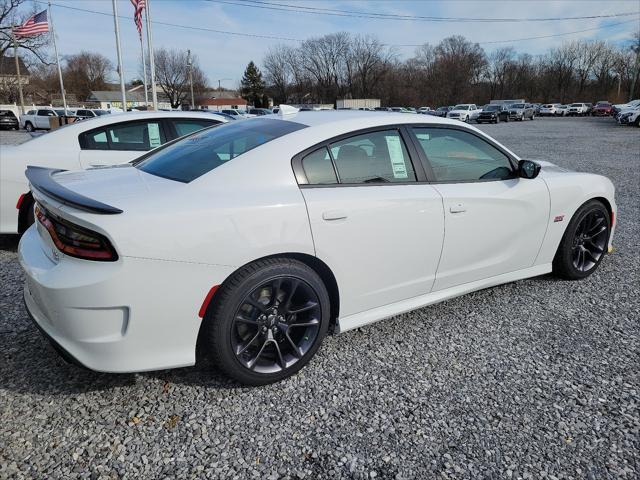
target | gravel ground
x=536, y=379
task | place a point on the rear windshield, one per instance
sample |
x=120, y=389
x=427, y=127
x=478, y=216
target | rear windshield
x=197, y=154
x=6, y=113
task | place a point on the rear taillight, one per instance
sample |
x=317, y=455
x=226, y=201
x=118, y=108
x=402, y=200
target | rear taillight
x=74, y=240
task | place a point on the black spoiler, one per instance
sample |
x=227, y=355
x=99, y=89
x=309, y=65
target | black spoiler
x=42, y=179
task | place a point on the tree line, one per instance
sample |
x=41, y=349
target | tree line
x=341, y=65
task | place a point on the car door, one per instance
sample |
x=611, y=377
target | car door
x=374, y=223
x=120, y=142
x=494, y=221
x=42, y=118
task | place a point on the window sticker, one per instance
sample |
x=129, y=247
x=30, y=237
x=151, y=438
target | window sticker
x=396, y=156
x=154, y=135
x=423, y=136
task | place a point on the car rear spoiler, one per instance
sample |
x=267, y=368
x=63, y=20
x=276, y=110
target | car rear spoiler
x=42, y=179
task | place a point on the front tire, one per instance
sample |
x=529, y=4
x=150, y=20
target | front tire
x=267, y=321
x=29, y=127
x=584, y=243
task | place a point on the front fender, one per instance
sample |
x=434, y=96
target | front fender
x=568, y=191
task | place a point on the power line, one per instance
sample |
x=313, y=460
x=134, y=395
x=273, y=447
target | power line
x=187, y=27
x=391, y=16
x=513, y=40
x=290, y=39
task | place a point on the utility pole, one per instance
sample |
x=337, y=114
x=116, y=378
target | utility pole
x=152, y=62
x=190, y=65
x=119, y=53
x=55, y=49
x=15, y=55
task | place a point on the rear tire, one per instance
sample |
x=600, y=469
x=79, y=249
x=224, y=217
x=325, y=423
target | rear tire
x=266, y=321
x=584, y=243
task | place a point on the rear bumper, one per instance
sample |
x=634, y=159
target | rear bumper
x=125, y=316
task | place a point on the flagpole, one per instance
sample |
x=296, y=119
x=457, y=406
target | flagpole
x=144, y=72
x=152, y=63
x=55, y=48
x=119, y=53
x=15, y=55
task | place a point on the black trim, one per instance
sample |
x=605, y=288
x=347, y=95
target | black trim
x=421, y=165
x=41, y=179
x=64, y=354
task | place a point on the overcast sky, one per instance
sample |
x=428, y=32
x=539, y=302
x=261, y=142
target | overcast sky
x=224, y=56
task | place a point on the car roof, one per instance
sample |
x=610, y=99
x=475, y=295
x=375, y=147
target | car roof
x=362, y=118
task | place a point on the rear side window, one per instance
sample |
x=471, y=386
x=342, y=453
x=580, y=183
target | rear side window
x=318, y=168
x=458, y=156
x=199, y=153
x=132, y=136
x=185, y=126
x=374, y=157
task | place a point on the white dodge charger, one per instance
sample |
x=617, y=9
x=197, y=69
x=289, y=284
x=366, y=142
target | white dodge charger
x=248, y=242
x=96, y=142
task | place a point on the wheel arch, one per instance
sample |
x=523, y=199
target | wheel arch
x=317, y=265
x=23, y=213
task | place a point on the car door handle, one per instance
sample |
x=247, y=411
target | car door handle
x=334, y=215
x=457, y=208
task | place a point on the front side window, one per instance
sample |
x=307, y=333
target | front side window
x=375, y=157
x=201, y=152
x=45, y=113
x=459, y=156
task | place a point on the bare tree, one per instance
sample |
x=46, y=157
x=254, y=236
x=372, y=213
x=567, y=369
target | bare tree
x=278, y=72
x=172, y=73
x=86, y=71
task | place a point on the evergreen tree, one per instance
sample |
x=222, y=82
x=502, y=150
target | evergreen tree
x=252, y=85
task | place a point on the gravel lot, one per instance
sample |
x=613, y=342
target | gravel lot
x=537, y=379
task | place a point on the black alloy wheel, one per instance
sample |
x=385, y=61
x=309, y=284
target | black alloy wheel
x=276, y=325
x=584, y=243
x=590, y=241
x=266, y=321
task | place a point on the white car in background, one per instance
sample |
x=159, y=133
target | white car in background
x=562, y=110
x=578, y=109
x=250, y=241
x=630, y=116
x=99, y=142
x=549, y=109
x=38, y=118
x=465, y=112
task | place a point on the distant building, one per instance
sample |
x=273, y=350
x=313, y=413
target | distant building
x=113, y=99
x=8, y=74
x=218, y=104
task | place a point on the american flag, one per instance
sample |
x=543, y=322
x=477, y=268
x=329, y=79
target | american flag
x=138, y=6
x=35, y=25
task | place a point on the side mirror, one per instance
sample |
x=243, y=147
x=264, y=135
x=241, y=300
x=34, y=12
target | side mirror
x=528, y=169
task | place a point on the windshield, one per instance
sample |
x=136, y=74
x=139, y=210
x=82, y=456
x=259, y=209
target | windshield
x=492, y=108
x=517, y=105
x=100, y=112
x=197, y=154
x=6, y=113
x=461, y=107
x=576, y=104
